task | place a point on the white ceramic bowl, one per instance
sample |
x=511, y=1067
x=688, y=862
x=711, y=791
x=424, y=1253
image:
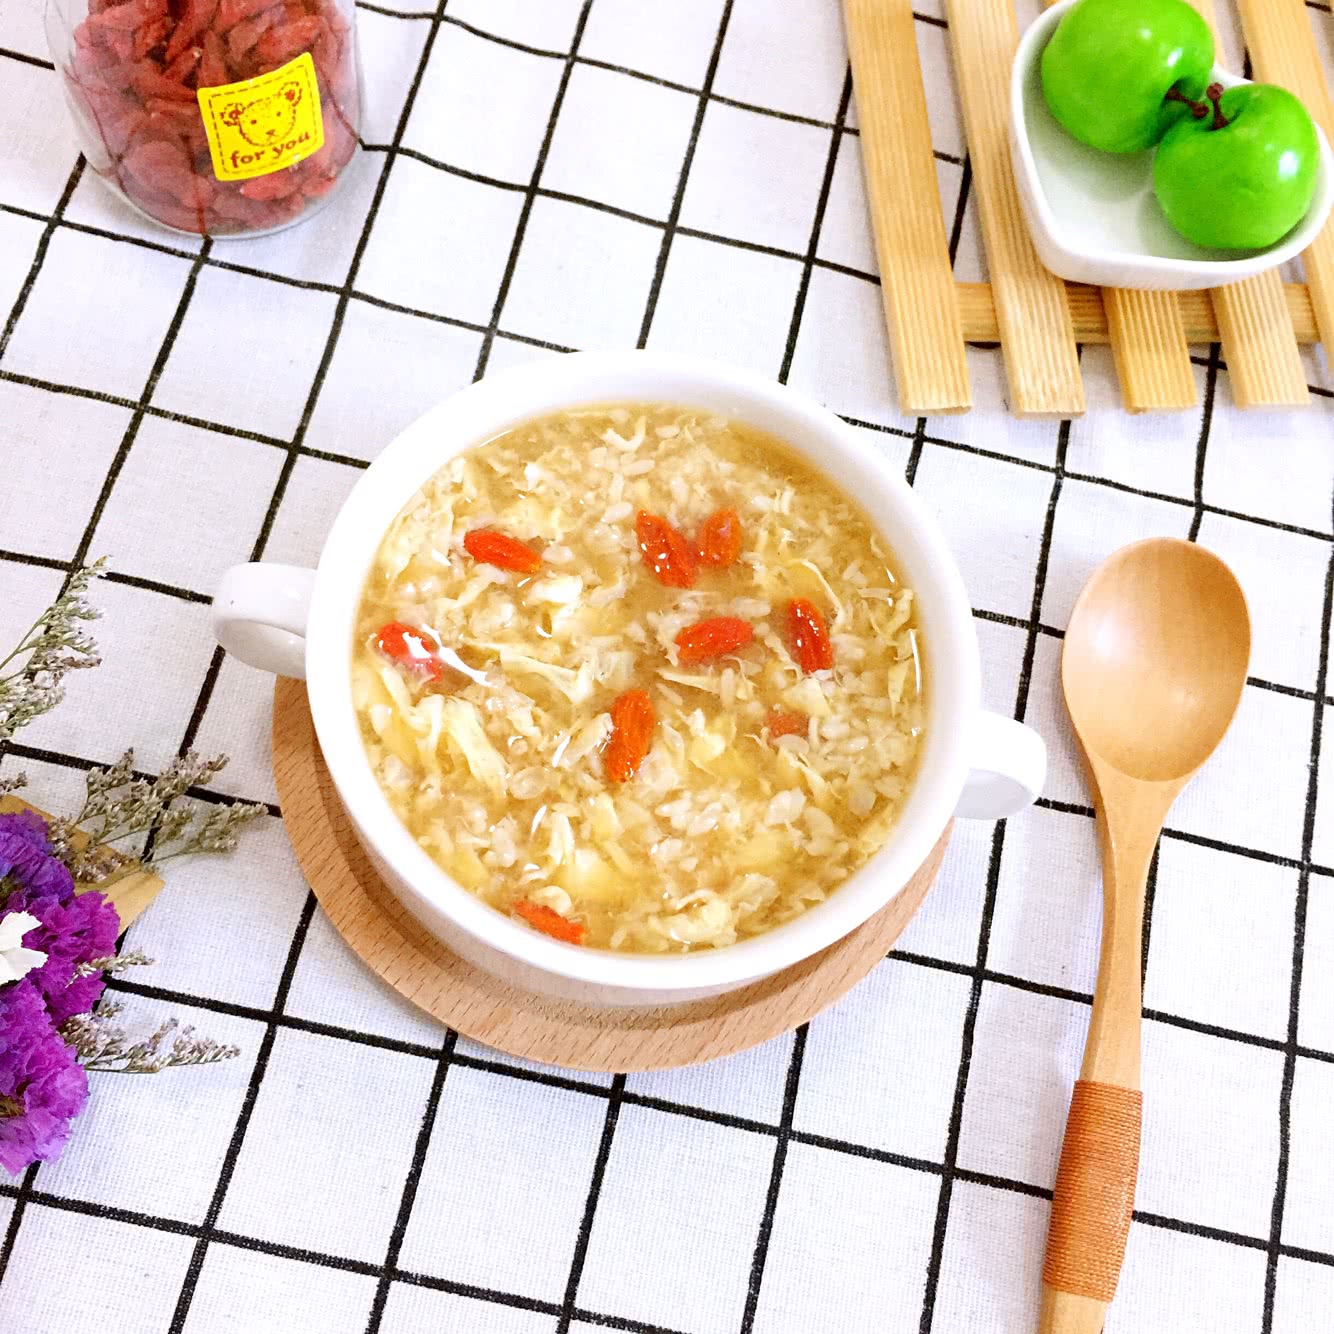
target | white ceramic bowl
x=1094, y=217
x=300, y=623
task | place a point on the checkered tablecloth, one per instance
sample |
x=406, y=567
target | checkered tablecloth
x=548, y=174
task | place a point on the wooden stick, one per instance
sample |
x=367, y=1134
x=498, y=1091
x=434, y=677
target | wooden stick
x=1254, y=326
x=1283, y=48
x=1149, y=348
x=1037, y=337
x=917, y=281
x=977, y=308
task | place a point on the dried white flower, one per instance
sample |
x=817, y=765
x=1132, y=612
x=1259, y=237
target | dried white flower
x=15, y=960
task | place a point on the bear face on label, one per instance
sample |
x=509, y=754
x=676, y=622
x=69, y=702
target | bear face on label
x=266, y=120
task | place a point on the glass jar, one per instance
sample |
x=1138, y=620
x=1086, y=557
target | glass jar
x=213, y=117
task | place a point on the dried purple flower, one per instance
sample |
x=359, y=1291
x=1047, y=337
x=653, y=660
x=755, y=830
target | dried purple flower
x=42, y=1085
x=26, y=860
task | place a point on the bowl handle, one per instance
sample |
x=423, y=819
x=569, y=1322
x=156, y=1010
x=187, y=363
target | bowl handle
x=259, y=615
x=1009, y=766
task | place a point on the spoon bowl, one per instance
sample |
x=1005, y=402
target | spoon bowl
x=1155, y=659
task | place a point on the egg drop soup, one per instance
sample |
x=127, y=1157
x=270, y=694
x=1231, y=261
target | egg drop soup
x=640, y=677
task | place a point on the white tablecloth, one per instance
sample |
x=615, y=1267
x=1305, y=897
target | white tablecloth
x=547, y=174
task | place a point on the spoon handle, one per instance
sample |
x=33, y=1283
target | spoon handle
x=1091, y=1208
x=1095, y=1182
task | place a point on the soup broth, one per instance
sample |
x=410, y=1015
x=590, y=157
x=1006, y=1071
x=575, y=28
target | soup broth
x=640, y=677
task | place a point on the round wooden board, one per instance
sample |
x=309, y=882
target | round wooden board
x=395, y=947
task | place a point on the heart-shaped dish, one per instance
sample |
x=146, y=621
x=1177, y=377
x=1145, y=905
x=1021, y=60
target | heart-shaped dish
x=1093, y=216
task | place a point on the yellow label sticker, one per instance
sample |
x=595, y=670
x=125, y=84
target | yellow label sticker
x=262, y=125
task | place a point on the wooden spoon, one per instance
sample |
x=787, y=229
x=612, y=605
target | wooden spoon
x=1153, y=668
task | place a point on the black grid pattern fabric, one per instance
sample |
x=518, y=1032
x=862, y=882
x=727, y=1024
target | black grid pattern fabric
x=538, y=176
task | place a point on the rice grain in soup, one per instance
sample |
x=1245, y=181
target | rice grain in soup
x=641, y=677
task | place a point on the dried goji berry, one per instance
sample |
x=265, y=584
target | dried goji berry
x=712, y=638
x=120, y=123
x=276, y=185
x=781, y=723
x=195, y=17
x=809, y=636
x=233, y=206
x=549, y=921
x=126, y=17
x=231, y=12
x=119, y=44
x=213, y=63
x=720, y=539
x=151, y=34
x=183, y=219
x=185, y=64
x=410, y=647
x=492, y=548
x=665, y=551
x=148, y=82
x=166, y=169
x=242, y=38
x=632, y=724
x=280, y=44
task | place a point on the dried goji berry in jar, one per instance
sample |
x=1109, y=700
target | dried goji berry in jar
x=149, y=35
x=213, y=70
x=196, y=15
x=137, y=68
x=281, y=43
x=232, y=12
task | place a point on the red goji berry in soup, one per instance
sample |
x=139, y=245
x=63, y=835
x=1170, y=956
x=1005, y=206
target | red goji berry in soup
x=809, y=636
x=712, y=638
x=501, y=550
x=410, y=647
x=665, y=551
x=781, y=723
x=549, y=922
x=632, y=724
x=720, y=539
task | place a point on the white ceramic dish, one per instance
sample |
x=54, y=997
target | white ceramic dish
x=300, y=623
x=1093, y=216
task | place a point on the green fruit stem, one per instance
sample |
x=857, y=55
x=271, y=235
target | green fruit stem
x=1214, y=92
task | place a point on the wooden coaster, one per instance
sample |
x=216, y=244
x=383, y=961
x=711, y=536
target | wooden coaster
x=395, y=947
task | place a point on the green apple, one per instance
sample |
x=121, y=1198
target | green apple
x=1114, y=70
x=1242, y=176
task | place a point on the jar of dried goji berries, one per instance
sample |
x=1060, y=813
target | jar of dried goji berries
x=216, y=117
